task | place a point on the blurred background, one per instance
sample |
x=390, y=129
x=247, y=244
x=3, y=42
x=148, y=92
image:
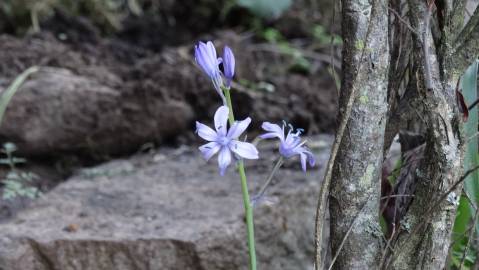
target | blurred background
x=118, y=77
x=99, y=167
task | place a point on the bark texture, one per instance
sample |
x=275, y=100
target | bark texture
x=419, y=91
x=355, y=183
x=425, y=245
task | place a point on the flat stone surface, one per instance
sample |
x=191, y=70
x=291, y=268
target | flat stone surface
x=167, y=210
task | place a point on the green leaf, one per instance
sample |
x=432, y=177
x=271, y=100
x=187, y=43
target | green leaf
x=469, y=90
x=268, y=9
x=471, y=185
x=7, y=95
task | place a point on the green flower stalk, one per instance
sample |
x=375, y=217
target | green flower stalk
x=223, y=140
x=226, y=141
x=244, y=188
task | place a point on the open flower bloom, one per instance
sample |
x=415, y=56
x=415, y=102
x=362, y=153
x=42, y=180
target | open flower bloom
x=205, y=56
x=225, y=141
x=290, y=145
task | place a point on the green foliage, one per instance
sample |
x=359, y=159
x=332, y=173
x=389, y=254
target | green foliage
x=8, y=94
x=395, y=172
x=299, y=62
x=322, y=37
x=471, y=185
x=260, y=86
x=268, y=9
x=457, y=255
x=16, y=182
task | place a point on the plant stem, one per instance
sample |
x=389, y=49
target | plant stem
x=244, y=189
x=278, y=164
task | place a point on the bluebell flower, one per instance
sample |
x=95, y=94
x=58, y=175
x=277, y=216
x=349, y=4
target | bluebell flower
x=228, y=65
x=290, y=145
x=225, y=141
x=205, y=56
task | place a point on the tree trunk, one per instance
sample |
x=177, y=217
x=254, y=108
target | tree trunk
x=356, y=183
x=436, y=50
x=431, y=216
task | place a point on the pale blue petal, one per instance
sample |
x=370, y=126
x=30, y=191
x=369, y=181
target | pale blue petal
x=203, y=59
x=303, y=161
x=211, y=51
x=244, y=149
x=224, y=159
x=205, y=56
x=306, y=155
x=228, y=64
x=200, y=60
x=205, y=132
x=209, y=149
x=212, y=59
x=292, y=140
x=273, y=131
x=221, y=120
x=238, y=128
x=268, y=135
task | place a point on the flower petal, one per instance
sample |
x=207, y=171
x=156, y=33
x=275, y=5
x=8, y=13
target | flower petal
x=211, y=51
x=205, y=132
x=238, y=128
x=306, y=155
x=205, y=56
x=269, y=135
x=201, y=57
x=303, y=161
x=292, y=141
x=224, y=159
x=221, y=120
x=274, y=131
x=209, y=149
x=244, y=149
x=228, y=64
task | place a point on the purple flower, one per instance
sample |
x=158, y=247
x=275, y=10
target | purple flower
x=228, y=65
x=225, y=141
x=205, y=56
x=291, y=145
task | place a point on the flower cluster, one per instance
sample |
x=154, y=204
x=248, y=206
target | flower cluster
x=290, y=145
x=205, y=56
x=224, y=141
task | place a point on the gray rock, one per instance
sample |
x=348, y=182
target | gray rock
x=167, y=210
x=57, y=112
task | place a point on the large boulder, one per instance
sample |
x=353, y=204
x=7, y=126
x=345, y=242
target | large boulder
x=167, y=210
x=57, y=112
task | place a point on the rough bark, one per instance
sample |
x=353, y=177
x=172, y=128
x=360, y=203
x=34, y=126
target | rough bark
x=438, y=60
x=355, y=183
x=399, y=50
x=425, y=242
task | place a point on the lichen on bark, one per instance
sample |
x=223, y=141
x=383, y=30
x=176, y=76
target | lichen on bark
x=355, y=183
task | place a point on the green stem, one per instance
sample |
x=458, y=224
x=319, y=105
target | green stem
x=244, y=188
x=270, y=177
